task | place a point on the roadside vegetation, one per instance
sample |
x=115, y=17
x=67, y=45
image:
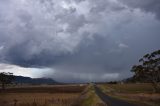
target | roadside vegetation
x=89, y=98
x=141, y=94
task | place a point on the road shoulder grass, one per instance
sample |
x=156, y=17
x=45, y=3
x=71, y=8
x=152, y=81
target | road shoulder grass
x=89, y=98
x=132, y=94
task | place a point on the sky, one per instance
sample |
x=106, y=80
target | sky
x=77, y=40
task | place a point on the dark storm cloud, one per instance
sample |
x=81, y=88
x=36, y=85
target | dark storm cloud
x=80, y=40
x=146, y=5
x=105, y=5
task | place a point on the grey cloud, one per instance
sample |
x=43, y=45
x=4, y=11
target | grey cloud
x=78, y=1
x=106, y=5
x=152, y=6
x=102, y=38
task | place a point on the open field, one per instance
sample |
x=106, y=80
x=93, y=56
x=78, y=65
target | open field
x=130, y=88
x=141, y=94
x=38, y=99
x=41, y=96
x=78, y=95
x=47, y=89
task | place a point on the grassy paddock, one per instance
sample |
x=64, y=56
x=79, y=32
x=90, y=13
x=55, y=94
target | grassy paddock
x=47, y=89
x=40, y=99
x=141, y=94
x=130, y=88
x=41, y=96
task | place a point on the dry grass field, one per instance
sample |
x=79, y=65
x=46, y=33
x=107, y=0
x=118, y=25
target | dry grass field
x=47, y=89
x=130, y=88
x=38, y=99
x=141, y=94
x=41, y=96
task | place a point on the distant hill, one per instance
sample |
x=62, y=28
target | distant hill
x=28, y=80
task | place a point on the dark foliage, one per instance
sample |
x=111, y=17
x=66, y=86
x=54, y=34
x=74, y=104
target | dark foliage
x=148, y=69
x=6, y=78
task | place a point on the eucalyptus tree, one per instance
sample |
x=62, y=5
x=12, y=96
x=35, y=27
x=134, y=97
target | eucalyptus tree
x=148, y=69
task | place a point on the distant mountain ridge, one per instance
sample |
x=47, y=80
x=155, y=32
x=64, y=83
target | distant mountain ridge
x=28, y=80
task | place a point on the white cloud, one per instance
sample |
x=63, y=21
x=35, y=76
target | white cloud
x=30, y=72
x=122, y=45
x=1, y=48
x=110, y=76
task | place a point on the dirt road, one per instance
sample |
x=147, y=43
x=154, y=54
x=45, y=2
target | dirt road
x=111, y=101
